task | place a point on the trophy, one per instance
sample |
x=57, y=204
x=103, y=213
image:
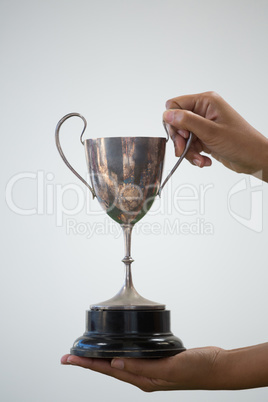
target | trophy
x=126, y=175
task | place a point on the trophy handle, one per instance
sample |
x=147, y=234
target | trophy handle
x=57, y=132
x=188, y=144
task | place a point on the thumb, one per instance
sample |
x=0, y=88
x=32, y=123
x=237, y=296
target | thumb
x=203, y=128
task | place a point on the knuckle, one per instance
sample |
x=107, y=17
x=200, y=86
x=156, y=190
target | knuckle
x=212, y=95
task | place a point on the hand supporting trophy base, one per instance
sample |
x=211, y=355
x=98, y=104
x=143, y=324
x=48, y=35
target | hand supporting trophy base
x=125, y=174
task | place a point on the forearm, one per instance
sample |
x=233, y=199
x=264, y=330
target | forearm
x=242, y=368
x=261, y=169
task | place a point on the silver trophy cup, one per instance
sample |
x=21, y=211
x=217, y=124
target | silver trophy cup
x=125, y=175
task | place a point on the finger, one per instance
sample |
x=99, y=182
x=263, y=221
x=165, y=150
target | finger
x=64, y=359
x=159, y=368
x=200, y=160
x=195, y=158
x=184, y=133
x=179, y=144
x=203, y=128
x=187, y=102
x=198, y=103
x=171, y=131
x=193, y=154
x=103, y=366
x=90, y=363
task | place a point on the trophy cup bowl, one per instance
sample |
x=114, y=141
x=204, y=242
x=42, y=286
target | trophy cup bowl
x=125, y=174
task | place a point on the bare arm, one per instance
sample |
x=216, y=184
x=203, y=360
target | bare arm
x=209, y=368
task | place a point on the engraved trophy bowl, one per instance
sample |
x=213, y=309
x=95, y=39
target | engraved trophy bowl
x=125, y=174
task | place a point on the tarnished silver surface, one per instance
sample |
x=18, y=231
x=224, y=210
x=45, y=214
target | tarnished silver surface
x=126, y=175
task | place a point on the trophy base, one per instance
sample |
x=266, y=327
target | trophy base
x=127, y=333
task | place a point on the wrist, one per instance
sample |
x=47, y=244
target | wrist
x=243, y=368
x=229, y=373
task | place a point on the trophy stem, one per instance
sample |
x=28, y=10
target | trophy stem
x=127, y=260
x=127, y=298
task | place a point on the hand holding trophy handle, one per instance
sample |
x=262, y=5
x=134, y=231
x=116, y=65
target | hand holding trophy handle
x=188, y=144
x=57, y=132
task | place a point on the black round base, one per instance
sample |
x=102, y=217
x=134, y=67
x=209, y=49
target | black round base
x=127, y=333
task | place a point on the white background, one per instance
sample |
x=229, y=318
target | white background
x=117, y=62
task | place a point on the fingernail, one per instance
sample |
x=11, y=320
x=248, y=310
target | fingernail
x=183, y=133
x=169, y=116
x=197, y=162
x=118, y=364
x=70, y=360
